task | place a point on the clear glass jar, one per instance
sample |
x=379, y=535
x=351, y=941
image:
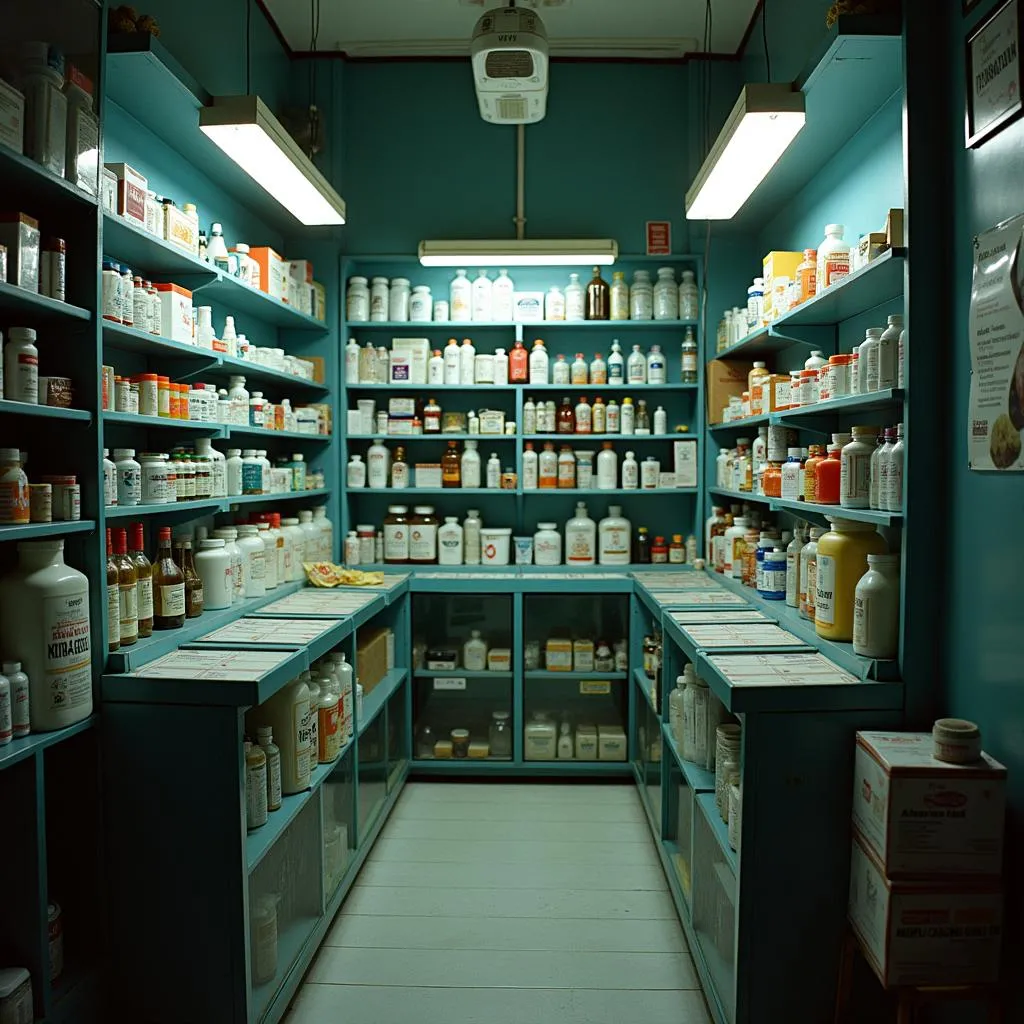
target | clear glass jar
x=641, y=297
x=399, y=299
x=357, y=301
x=500, y=734
x=666, y=295
x=876, y=609
x=689, y=299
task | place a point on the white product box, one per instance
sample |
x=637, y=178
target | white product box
x=418, y=351
x=684, y=454
x=666, y=481
x=354, y=421
x=923, y=932
x=527, y=307
x=400, y=428
x=19, y=234
x=583, y=655
x=402, y=408
x=586, y=743
x=400, y=365
x=318, y=301
x=611, y=743
x=300, y=277
x=558, y=655
x=82, y=156
x=492, y=421
x=428, y=474
x=12, y=117
x=175, y=312
x=108, y=190
x=927, y=817
x=46, y=120
x=131, y=193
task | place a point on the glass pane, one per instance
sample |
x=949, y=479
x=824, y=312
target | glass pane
x=398, y=737
x=679, y=828
x=284, y=904
x=338, y=795
x=373, y=788
x=462, y=677
x=575, y=682
x=649, y=755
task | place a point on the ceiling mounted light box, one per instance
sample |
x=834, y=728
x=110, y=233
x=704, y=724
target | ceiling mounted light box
x=519, y=252
x=245, y=129
x=762, y=124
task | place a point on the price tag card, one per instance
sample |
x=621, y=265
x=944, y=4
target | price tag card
x=224, y=666
x=703, y=599
x=677, y=580
x=334, y=603
x=793, y=669
x=291, y=632
x=724, y=635
x=450, y=683
x=711, y=615
x=575, y=576
x=595, y=686
x=479, y=576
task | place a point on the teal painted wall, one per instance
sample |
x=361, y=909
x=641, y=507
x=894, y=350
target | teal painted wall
x=982, y=677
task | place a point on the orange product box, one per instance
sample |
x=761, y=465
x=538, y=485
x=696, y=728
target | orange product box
x=777, y=264
x=273, y=271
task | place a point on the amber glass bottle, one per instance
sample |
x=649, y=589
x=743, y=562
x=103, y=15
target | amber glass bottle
x=127, y=590
x=598, y=297
x=566, y=418
x=193, y=582
x=113, y=599
x=451, y=466
x=144, y=572
x=168, y=586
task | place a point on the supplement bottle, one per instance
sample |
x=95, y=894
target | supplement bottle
x=833, y=258
x=396, y=535
x=575, y=303
x=855, y=468
x=21, y=366
x=538, y=363
x=15, y=506
x=471, y=527
x=449, y=542
x=613, y=533
x=44, y=625
x=423, y=536
x=808, y=573
x=827, y=477
x=460, y=297
x=288, y=715
x=581, y=538
x=616, y=365
x=21, y=722
x=619, y=297
x=213, y=565
x=841, y=561
x=884, y=371
x=876, y=609
x=265, y=735
x=879, y=466
x=607, y=468
x=547, y=545
x=735, y=545
x=892, y=496
x=793, y=568
x=255, y=786
x=666, y=295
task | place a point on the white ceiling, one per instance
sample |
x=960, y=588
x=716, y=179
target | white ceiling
x=581, y=28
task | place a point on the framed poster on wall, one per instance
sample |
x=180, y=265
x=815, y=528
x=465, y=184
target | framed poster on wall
x=993, y=74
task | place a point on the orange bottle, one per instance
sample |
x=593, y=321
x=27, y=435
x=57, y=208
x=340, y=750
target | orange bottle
x=827, y=477
x=518, y=364
x=772, y=480
x=816, y=456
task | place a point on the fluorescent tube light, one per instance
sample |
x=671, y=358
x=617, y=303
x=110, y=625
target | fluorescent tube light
x=558, y=252
x=764, y=121
x=249, y=133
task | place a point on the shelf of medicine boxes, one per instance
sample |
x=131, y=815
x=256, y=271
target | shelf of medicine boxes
x=52, y=412
x=32, y=305
x=142, y=250
x=861, y=291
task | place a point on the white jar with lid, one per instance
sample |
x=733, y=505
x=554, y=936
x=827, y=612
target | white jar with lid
x=421, y=305
x=876, y=609
x=855, y=468
x=379, y=299
x=666, y=295
x=398, y=299
x=20, y=375
x=254, y=561
x=460, y=297
x=213, y=564
x=155, y=479
x=357, y=301
x=833, y=258
x=129, y=477
x=547, y=545
x=641, y=297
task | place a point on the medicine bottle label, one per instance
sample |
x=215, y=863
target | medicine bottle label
x=423, y=543
x=837, y=266
x=144, y=598
x=113, y=616
x=303, y=722
x=68, y=665
x=128, y=609
x=396, y=543
x=825, y=591
x=172, y=600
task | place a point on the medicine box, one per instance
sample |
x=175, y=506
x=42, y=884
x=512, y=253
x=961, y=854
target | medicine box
x=442, y=659
x=726, y=378
x=583, y=655
x=527, y=307
x=418, y=352
x=108, y=190
x=586, y=743
x=684, y=453
x=175, y=312
x=400, y=367
x=372, y=655
x=19, y=234
x=400, y=428
x=46, y=118
x=82, y=158
x=499, y=659
x=927, y=817
x=923, y=932
x=778, y=264
x=492, y=421
x=775, y=392
x=12, y=117
x=401, y=408
x=181, y=229
x=611, y=743
x=558, y=655
x=428, y=474
x=131, y=193
x=318, y=301
x=273, y=271
x=300, y=277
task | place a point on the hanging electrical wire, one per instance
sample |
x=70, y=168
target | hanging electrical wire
x=764, y=37
x=706, y=133
x=313, y=111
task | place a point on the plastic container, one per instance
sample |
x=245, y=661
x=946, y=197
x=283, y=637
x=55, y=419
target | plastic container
x=855, y=468
x=288, y=715
x=495, y=542
x=44, y=625
x=841, y=562
x=540, y=739
x=876, y=609
x=581, y=538
x=547, y=545
x=833, y=258
x=213, y=563
x=956, y=741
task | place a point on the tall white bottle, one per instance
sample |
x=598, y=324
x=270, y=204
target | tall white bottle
x=452, y=362
x=470, y=468
x=460, y=298
x=538, y=363
x=471, y=537
x=352, y=362
x=581, y=538
x=616, y=365
x=435, y=368
x=467, y=362
x=449, y=542
x=482, y=297
x=574, y=298
x=501, y=297
x=613, y=538
x=529, y=468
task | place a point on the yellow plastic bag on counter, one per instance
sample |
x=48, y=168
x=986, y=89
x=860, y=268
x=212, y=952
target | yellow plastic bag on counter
x=326, y=574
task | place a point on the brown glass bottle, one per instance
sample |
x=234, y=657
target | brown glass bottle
x=113, y=599
x=566, y=422
x=144, y=573
x=193, y=582
x=127, y=587
x=642, y=547
x=168, y=586
x=598, y=297
x=431, y=417
x=451, y=466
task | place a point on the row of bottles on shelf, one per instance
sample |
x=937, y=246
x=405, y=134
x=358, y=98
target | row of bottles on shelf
x=556, y=654
x=410, y=361
x=199, y=570
x=314, y=720
x=419, y=538
x=152, y=394
x=20, y=380
x=164, y=478
x=487, y=300
x=843, y=579
x=53, y=497
x=862, y=469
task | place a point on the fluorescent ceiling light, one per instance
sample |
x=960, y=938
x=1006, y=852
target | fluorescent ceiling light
x=764, y=121
x=546, y=252
x=249, y=133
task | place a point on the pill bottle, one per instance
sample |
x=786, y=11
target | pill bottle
x=841, y=562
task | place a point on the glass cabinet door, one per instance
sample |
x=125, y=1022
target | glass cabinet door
x=575, y=685
x=462, y=676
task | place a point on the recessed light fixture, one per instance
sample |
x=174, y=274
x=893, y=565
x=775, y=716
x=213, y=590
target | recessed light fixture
x=527, y=252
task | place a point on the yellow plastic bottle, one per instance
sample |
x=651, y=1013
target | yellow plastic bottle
x=841, y=561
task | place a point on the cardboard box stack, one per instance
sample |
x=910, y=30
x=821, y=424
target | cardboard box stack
x=926, y=897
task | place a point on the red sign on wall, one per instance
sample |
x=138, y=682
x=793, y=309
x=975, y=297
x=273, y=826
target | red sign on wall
x=659, y=238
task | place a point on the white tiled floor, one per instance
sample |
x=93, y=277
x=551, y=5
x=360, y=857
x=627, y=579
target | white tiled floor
x=507, y=904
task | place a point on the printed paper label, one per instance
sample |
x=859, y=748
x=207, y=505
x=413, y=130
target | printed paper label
x=68, y=665
x=825, y=592
x=172, y=599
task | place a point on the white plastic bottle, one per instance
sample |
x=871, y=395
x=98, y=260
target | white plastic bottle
x=288, y=715
x=793, y=568
x=482, y=288
x=435, y=368
x=530, y=417
x=616, y=365
x=613, y=538
x=660, y=421
x=833, y=258
x=470, y=465
x=378, y=465
x=254, y=561
x=21, y=366
x=471, y=537
x=493, y=472
x=21, y=703
x=467, y=362
x=44, y=625
x=607, y=468
x=566, y=747
x=356, y=473
x=352, y=362
x=734, y=544
x=538, y=363
x=656, y=372
x=630, y=473
x=449, y=542
x=876, y=609
x=581, y=538
x=460, y=296
x=636, y=367
x=265, y=735
x=452, y=362
x=554, y=304
x=885, y=371
x=547, y=545
x=529, y=468
x=500, y=367
x=574, y=298
x=627, y=417
x=474, y=652
x=501, y=297
x=6, y=718
x=892, y=499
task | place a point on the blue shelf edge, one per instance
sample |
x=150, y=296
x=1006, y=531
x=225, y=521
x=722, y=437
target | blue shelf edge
x=32, y=531
x=27, y=746
x=644, y=684
x=698, y=779
x=52, y=412
x=719, y=829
